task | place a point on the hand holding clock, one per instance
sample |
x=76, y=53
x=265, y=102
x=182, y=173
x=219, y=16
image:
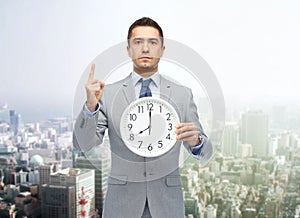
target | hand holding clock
x=188, y=132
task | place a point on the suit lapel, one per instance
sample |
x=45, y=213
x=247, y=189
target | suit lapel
x=165, y=89
x=128, y=90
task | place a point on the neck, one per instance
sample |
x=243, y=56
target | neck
x=145, y=74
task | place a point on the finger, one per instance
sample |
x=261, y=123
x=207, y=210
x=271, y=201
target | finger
x=94, y=87
x=180, y=125
x=187, y=135
x=102, y=84
x=91, y=74
x=186, y=127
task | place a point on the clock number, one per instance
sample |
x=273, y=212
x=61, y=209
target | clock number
x=150, y=147
x=141, y=142
x=131, y=137
x=129, y=126
x=160, y=144
x=168, y=116
x=150, y=106
x=140, y=109
x=160, y=108
x=132, y=117
x=168, y=136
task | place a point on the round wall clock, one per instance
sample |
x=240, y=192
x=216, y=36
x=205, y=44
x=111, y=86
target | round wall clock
x=147, y=126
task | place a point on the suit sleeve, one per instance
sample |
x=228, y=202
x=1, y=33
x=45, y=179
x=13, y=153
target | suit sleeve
x=191, y=115
x=89, y=130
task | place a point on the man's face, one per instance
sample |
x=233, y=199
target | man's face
x=145, y=49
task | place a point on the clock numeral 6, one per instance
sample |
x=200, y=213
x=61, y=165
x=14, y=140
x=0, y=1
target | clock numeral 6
x=132, y=117
x=160, y=144
x=150, y=147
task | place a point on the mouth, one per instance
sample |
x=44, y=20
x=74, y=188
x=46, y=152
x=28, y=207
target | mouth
x=145, y=58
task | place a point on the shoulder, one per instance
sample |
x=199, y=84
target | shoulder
x=174, y=84
x=116, y=85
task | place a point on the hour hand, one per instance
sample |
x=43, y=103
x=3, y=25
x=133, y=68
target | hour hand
x=143, y=130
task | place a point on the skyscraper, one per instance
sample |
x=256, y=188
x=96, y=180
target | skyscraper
x=254, y=131
x=98, y=159
x=101, y=167
x=58, y=201
x=231, y=139
x=80, y=179
x=14, y=121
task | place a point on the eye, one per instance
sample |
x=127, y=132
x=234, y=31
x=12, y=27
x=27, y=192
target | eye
x=137, y=42
x=153, y=42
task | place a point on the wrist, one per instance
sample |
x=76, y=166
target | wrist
x=91, y=107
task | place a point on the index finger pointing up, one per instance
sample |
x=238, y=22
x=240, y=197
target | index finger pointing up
x=91, y=74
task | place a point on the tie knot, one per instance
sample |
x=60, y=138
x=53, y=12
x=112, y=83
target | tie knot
x=146, y=83
x=145, y=89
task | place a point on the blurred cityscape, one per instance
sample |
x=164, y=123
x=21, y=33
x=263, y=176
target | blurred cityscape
x=254, y=174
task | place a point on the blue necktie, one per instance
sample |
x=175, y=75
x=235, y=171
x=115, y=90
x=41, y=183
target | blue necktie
x=145, y=90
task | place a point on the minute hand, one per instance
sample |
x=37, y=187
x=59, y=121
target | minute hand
x=150, y=122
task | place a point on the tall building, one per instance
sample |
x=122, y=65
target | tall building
x=230, y=139
x=80, y=179
x=14, y=118
x=211, y=211
x=272, y=207
x=44, y=173
x=58, y=201
x=254, y=131
x=101, y=167
x=245, y=150
x=98, y=159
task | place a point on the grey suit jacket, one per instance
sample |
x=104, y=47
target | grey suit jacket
x=133, y=178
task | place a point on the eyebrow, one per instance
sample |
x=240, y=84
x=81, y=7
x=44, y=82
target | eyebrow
x=149, y=38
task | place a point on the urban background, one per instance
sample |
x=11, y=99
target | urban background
x=252, y=47
x=254, y=174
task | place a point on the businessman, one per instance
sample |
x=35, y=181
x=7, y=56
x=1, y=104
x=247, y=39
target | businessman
x=140, y=186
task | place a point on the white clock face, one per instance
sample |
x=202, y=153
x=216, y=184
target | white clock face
x=148, y=126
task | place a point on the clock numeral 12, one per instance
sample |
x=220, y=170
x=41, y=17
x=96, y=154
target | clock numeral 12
x=150, y=106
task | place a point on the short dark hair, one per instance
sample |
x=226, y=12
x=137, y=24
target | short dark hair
x=145, y=21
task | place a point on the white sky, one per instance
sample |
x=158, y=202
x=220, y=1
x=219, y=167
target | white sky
x=252, y=46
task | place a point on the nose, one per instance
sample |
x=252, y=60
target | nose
x=145, y=47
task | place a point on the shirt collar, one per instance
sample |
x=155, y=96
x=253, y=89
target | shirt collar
x=136, y=78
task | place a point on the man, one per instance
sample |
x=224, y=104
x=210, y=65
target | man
x=140, y=186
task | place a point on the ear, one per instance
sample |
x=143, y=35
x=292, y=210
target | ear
x=163, y=50
x=129, y=51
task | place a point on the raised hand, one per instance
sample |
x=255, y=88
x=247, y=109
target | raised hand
x=94, y=90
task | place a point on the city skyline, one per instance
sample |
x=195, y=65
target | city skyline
x=251, y=47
